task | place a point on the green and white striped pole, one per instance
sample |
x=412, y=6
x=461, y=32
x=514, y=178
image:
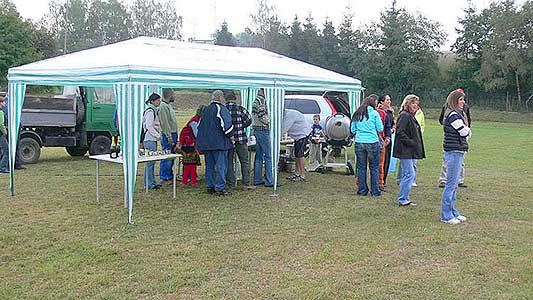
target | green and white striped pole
x=130, y=99
x=16, y=100
x=275, y=98
x=247, y=100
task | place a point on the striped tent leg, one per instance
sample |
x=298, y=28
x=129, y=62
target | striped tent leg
x=130, y=99
x=16, y=100
x=352, y=99
x=247, y=100
x=276, y=101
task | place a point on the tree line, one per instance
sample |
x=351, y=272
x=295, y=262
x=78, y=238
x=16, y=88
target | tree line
x=398, y=54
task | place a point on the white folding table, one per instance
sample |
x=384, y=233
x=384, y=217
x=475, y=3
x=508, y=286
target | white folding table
x=142, y=159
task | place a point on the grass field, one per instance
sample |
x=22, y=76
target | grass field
x=317, y=240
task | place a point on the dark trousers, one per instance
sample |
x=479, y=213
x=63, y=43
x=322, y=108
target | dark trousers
x=4, y=154
x=242, y=152
x=367, y=154
x=387, y=162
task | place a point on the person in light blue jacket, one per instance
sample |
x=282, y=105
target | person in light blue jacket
x=366, y=123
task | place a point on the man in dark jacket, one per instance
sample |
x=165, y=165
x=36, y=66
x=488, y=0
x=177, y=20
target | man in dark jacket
x=215, y=138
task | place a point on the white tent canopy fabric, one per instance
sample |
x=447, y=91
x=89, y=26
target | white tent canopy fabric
x=135, y=66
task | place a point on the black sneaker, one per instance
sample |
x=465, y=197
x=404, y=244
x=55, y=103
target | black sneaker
x=210, y=190
x=223, y=193
x=463, y=185
x=20, y=168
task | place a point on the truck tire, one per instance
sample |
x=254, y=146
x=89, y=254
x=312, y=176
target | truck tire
x=80, y=112
x=76, y=150
x=30, y=150
x=100, y=145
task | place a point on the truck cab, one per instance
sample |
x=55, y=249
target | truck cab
x=81, y=120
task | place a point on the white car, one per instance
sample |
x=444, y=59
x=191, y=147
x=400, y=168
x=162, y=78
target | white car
x=310, y=105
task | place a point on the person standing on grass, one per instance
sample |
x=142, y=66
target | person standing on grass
x=214, y=139
x=295, y=125
x=366, y=124
x=240, y=119
x=455, y=144
x=408, y=146
x=384, y=141
x=261, y=127
x=420, y=118
x=187, y=145
x=387, y=107
x=315, y=153
x=152, y=134
x=442, y=177
x=4, y=147
x=169, y=137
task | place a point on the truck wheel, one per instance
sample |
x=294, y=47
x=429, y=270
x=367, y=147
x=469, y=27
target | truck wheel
x=100, y=145
x=30, y=150
x=76, y=150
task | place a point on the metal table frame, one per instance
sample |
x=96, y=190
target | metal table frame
x=143, y=159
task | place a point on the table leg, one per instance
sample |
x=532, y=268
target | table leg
x=174, y=179
x=145, y=181
x=97, y=180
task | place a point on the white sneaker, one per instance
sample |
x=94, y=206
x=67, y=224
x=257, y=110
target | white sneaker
x=414, y=184
x=461, y=218
x=453, y=221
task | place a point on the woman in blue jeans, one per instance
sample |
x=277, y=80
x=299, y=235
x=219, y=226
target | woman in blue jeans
x=366, y=123
x=408, y=147
x=456, y=134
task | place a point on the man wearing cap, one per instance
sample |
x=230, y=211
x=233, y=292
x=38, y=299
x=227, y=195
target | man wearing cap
x=169, y=136
x=215, y=135
x=152, y=134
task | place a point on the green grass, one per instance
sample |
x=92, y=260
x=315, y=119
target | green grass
x=317, y=240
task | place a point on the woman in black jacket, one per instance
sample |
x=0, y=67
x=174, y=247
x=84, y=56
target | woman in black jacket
x=408, y=146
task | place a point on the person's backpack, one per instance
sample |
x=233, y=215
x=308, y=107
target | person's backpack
x=144, y=130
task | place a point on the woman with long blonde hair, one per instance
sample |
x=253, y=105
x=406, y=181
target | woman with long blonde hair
x=408, y=146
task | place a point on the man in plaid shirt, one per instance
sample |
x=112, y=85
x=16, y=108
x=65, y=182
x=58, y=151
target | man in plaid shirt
x=240, y=119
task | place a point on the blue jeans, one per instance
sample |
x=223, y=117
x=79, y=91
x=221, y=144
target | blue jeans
x=4, y=154
x=262, y=153
x=407, y=179
x=216, y=159
x=454, y=162
x=165, y=167
x=149, y=168
x=368, y=152
x=400, y=174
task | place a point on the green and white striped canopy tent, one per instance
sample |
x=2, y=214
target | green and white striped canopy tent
x=135, y=66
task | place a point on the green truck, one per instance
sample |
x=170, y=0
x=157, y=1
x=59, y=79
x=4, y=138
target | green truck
x=81, y=120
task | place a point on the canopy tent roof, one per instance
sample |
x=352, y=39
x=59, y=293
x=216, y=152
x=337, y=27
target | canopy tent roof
x=134, y=67
x=170, y=63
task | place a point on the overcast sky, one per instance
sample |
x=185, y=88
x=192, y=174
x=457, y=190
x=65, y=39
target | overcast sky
x=202, y=17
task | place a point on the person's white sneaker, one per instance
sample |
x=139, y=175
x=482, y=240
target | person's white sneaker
x=453, y=221
x=414, y=184
x=461, y=218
